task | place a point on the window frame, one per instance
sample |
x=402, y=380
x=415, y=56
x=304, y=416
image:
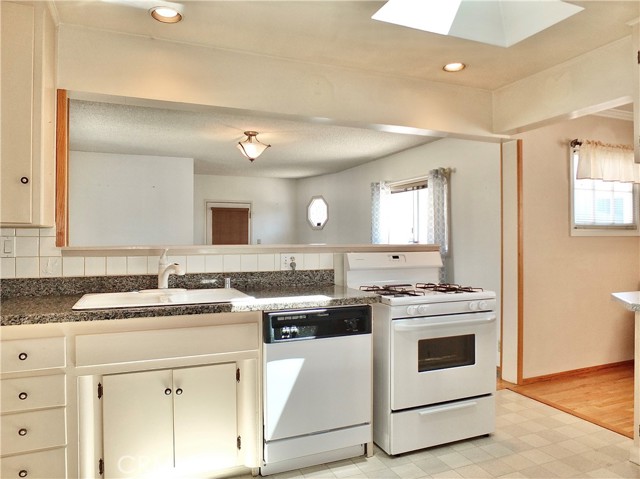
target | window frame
x=599, y=230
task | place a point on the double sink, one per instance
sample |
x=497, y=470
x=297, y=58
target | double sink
x=159, y=297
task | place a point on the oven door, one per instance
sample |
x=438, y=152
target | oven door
x=442, y=358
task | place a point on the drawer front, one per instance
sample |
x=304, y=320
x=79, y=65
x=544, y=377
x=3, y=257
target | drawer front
x=36, y=465
x=33, y=354
x=434, y=425
x=112, y=348
x=32, y=393
x=27, y=431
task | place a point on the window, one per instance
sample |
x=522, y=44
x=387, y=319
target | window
x=602, y=207
x=317, y=212
x=409, y=203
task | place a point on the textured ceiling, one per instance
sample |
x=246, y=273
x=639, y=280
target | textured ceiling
x=331, y=32
x=210, y=136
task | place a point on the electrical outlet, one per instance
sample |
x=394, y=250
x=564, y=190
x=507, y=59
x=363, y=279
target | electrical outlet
x=8, y=248
x=288, y=261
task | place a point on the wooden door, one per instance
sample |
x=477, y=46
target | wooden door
x=229, y=225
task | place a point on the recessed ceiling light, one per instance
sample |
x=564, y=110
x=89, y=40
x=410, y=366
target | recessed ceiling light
x=454, y=67
x=166, y=13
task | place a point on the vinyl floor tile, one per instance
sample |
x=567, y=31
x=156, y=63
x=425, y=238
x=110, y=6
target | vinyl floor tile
x=532, y=440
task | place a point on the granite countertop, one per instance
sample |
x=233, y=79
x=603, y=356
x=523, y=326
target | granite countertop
x=630, y=299
x=57, y=308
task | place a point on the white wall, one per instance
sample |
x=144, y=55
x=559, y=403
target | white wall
x=570, y=321
x=475, y=203
x=272, y=205
x=129, y=199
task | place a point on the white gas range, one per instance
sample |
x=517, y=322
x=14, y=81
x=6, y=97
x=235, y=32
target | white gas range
x=434, y=351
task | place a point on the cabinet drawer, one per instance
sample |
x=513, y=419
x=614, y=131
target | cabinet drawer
x=27, y=431
x=36, y=465
x=111, y=348
x=32, y=393
x=33, y=354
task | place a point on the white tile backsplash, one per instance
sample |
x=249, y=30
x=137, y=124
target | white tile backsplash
x=137, y=265
x=7, y=268
x=37, y=256
x=231, y=263
x=48, y=246
x=50, y=266
x=248, y=262
x=116, y=266
x=267, y=262
x=95, y=266
x=213, y=263
x=27, y=267
x=27, y=232
x=27, y=246
x=196, y=264
x=73, y=266
x=311, y=260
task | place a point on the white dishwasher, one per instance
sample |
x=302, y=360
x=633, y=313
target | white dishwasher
x=317, y=389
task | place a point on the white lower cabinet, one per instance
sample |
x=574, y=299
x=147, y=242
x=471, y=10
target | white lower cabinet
x=170, y=423
x=44, y=465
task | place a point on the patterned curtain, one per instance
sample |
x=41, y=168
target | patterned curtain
x=379, y=218
x=438, y=213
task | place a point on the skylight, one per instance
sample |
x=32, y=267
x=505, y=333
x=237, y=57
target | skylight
x=495, y=22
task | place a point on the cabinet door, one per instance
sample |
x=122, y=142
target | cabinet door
x=17, y=107
x=138, y=424
x=205, y=418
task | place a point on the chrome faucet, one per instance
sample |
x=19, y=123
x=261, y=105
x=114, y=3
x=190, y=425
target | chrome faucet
x=165, y=269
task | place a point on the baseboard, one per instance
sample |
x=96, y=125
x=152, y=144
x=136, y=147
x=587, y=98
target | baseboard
x=575, y=372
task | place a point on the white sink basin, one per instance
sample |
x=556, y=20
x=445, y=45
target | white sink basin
x=159, y=297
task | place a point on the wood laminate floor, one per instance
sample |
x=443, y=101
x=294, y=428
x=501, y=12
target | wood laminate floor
x=603, y=397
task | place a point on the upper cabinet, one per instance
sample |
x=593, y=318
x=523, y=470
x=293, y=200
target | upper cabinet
x=27, y=166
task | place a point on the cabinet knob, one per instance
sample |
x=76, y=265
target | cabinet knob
x=22, y=432
x=23, y=473
x=22, y=356
x=22, y=396
x=24, y=180
x=179, y=391
x=167, y=391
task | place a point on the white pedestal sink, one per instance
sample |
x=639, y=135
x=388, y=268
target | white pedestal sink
x=159, y=297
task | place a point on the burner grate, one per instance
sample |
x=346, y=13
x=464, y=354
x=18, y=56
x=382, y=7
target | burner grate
x=447, y=288
x=394, y=290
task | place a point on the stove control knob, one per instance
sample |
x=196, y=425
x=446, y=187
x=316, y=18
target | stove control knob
x=473, y=306
x=294, y=331
x=412, y=310
x=483, y=305
x=423, y=308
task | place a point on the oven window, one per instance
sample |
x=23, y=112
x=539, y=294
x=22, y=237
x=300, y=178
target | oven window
x=449, y=352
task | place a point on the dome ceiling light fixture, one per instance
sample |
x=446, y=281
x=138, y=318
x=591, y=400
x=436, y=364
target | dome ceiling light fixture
x=166, y=12
x=502, y=23
x=251, y=147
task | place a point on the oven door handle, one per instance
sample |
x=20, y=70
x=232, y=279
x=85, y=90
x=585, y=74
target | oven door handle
x=416, y=325
x=453, y=407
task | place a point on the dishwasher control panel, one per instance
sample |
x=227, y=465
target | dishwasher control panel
x=317, y=323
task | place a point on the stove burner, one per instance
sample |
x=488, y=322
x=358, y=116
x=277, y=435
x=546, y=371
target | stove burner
x=394, y=290
x=447, y=288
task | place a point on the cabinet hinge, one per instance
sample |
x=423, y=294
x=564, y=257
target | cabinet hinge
x=99, y=390
x=101, y=467
x=239, y=442
x=238, y=375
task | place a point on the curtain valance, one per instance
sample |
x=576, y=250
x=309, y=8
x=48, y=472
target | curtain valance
x=602, y=161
